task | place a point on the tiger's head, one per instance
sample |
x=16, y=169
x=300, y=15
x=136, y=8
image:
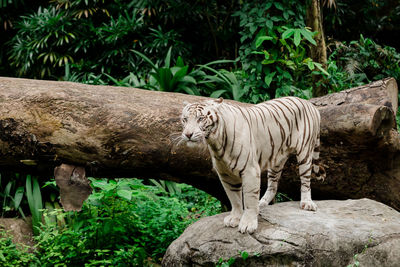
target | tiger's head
x=199, y=121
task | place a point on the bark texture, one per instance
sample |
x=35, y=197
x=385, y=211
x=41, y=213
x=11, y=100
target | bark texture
x=318, y=51
x=74, y=186
x=126, y=132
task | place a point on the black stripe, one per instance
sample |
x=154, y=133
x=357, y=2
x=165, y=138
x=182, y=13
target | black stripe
x=273, y=115
x=255, y=115
x=286, y=118
x=238, y=185
x=261, y=114
x=311, y=127
x=304, y=161
x=283, y=103
x=302, y=174
x=259, y=159
x=225, y=142
x=245, y=165
x=236, y=190
x=295, y=113
x=237, y=159
x=244, y=116
x=272, y=145
x=308, y=127
x=234, y=136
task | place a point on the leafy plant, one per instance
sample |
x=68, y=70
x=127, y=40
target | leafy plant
x=260, y=21
x=167, y=186
x=123, y=223
x=225, y=82
x=15, y=255
x=170, y=79
x=360, y=62
x=225, y=263
x=12, y=195
x=288, y=71
x=34, y=198
x=42, y=43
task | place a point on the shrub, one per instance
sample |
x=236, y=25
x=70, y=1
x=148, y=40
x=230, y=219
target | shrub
x=15, y=255
x=90, y=36
x=264, y=19
x=360, y=62
x=123, y=223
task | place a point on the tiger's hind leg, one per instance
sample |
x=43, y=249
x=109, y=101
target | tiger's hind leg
x=274, y=174
x=305, y=169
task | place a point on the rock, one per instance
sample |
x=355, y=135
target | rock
x=19, y=229
x=339, y=233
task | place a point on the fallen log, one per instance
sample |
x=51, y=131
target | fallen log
x=126, y=132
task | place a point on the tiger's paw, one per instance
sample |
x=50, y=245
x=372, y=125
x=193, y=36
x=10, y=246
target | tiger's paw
x=248, y=223
x=308, y=205
x=232, y=220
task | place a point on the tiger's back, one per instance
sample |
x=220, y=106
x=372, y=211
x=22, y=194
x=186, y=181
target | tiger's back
x=271, y=130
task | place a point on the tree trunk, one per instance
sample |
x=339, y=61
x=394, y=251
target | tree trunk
x=127, y=132
x=318, y=51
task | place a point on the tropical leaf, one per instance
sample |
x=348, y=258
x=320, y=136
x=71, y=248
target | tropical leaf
x=286, y=34
x=308, y=35
x=19, y=193
x=261, y=39
x=218, y=93
x=268, y=78
x=297, y=37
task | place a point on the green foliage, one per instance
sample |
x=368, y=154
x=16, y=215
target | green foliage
x=244, y=255
x=34, y=198
x=355, y=257
x=42, y=43
x=222, y=83
x=12, y=255
x=123, y=223
x=360, y=62
x=11, y=196
x=377, y=19
x=287, y=69
x=203, y=80
x=398, y=119
x=90, y=36
x=282, y=197
x=225, y=263
x=278, y=73
x=170, y=79
x=167, y=186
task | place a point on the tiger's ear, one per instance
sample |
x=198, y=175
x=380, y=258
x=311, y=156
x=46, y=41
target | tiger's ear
x=185, y=103
x=219, y=100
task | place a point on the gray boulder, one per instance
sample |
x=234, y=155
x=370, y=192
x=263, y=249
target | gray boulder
x=340, y=233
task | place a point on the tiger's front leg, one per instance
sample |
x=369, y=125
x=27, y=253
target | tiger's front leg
x=233, y=189
x=251, y=193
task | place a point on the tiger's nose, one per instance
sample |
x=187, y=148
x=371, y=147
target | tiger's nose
x=188, y=135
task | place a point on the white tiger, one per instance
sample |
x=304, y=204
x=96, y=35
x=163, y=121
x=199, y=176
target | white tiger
x=244, y=141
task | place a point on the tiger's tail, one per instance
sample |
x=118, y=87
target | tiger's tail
x=318, y=170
